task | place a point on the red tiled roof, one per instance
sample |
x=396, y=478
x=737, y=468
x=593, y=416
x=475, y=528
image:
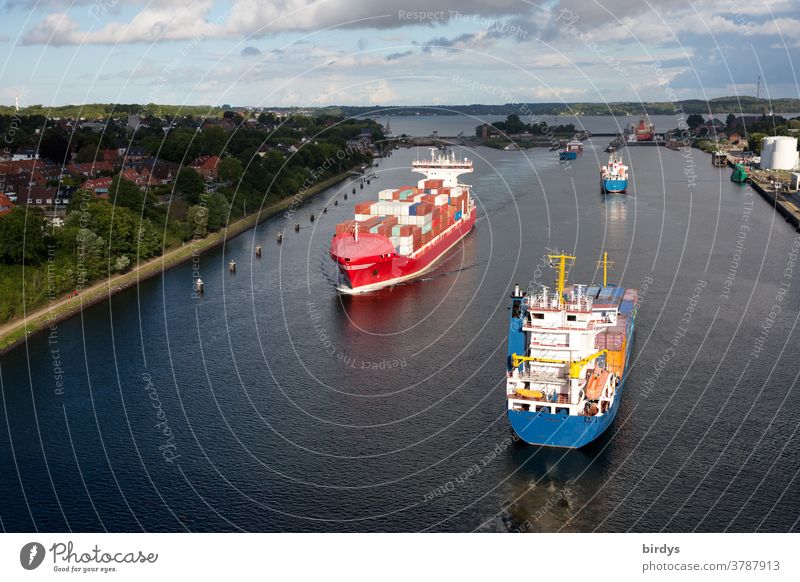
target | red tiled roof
x=6, y=205
x=90, y=168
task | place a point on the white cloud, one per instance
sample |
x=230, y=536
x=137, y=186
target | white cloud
x=187, y=19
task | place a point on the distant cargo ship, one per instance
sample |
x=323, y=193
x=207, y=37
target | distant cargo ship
x=404, y=233
x=572, y=150
x=643, y=131
x=567, y=353
x=614, y=176
x=740, y=174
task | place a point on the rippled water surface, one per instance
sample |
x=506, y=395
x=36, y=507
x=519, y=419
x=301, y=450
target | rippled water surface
x=274, y=404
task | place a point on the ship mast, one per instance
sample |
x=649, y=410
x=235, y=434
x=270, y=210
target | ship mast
x=560, y=262
x=605, y=263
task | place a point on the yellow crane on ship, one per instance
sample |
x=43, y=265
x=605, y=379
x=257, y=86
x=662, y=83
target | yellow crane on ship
x=574, y=367
x=561, y=262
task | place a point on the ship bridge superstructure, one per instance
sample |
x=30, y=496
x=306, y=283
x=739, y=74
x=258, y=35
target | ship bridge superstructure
x=560, y=369
x=442, y=167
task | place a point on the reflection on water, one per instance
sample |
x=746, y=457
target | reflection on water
x=295, y=408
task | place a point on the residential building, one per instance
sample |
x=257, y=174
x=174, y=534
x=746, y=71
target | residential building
x=206, y=166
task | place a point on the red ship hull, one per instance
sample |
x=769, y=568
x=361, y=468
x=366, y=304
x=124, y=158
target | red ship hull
x=370, y=262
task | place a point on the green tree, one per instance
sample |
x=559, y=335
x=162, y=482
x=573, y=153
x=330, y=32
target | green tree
x=180, y=146
x=189, y=184
x=754, y=142
x=197, y=216
x=230, y=170
x=212, y=140
x=88, y=153
x=514, y=125
x=126, y=194
x=218, y=208
x=694, y=120
x=729, y=121
x=54, y=146
x=22, y=236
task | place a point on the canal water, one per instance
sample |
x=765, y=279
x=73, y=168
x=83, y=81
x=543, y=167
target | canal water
x=272, y=403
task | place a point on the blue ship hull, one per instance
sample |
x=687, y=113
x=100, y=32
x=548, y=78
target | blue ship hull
x=561, y=430
x=564, y=156
x=614, y=186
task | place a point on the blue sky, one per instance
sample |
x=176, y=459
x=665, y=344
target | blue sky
x=384, y=52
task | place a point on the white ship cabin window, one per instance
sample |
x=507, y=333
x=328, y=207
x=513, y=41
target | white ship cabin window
x=536, y=315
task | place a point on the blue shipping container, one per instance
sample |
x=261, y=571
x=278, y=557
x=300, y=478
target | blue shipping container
x=412, y=210
x=626, y=307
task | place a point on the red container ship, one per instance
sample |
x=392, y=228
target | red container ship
x=643, y=131
x=404, y=233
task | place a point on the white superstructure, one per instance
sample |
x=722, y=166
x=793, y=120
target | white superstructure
x=442, y=167
x=560, y=372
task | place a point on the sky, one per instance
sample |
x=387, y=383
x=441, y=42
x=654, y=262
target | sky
x=384, y=52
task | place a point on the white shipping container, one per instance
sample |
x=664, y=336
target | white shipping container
x=394, y=208
x=385, y=194
x=417, y=220
x=441, y=199
x=405, y=249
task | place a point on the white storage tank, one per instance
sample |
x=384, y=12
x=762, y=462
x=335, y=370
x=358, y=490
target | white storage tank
x=784, y=153
x=766, y=152
x=795, y=181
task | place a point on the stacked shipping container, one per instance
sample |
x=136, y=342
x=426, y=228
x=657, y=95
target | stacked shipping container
x=408, y=216
x=614, y=339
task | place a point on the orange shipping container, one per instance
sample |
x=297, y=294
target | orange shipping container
x=364, y=225
x=345, y=227
x=615, y=359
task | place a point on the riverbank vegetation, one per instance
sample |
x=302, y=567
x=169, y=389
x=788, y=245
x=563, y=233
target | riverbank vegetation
x=513, y=133
x=42, y=259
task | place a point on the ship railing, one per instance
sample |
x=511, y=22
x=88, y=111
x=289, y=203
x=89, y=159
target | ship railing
x=541, y=378
x=551, y=301
x=585, y=325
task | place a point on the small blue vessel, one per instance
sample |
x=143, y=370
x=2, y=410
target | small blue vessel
x=571, y=151
x=614, y=176
x=567, y=353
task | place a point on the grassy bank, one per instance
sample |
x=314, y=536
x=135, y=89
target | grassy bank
x=14, y=332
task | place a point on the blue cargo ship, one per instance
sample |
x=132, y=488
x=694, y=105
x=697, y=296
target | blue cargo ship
x=571, y=151
x=614, y=176
x=567, y=353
